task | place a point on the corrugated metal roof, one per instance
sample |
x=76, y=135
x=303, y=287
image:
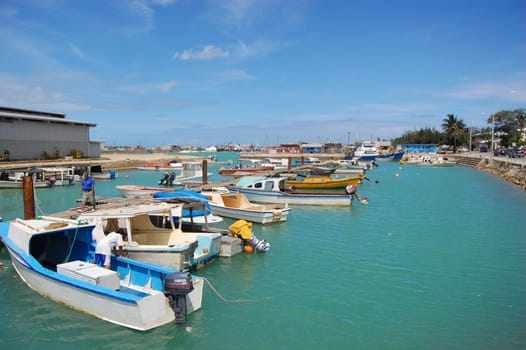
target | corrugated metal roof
x=23, y=114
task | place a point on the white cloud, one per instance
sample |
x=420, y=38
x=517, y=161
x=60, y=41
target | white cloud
x=163, y=2
x=513, y=91
x=167, y=86
x=78, y=52
x=209, y=52
x=236, y=74
x=259, y=48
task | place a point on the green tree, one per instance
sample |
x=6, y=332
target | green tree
x=454, y=129
x=509, y=126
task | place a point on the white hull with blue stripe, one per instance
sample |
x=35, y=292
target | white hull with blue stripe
x=130, y=294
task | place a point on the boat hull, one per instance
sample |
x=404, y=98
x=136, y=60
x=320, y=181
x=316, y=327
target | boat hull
x=125, y=309
x=261, y=217
x=19, y=184
x=297, y=198
x=323, y=182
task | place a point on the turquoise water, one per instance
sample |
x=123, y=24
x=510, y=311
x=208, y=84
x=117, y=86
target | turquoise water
x=435, y=261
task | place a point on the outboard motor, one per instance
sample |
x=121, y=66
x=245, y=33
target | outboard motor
x=171, y=178
x=164, y=179
x=176, y=286
x=353, y=192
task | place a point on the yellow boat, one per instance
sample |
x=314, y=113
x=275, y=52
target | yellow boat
x=321, y=182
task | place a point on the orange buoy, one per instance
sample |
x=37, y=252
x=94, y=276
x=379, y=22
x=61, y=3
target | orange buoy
x=248, y=248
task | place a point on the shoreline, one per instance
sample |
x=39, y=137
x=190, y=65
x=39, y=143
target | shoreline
x=510, y=170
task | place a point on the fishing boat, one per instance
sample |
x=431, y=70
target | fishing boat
x=134, y=191
x=161, y=166
x=212, y=160
x=367, y=151
x=13, y=178
x=57, y=176
x=322, y=170
x=190, y=171
x=248, y=166
x=323, y=182
x=274, y=190
x=98, y=173
x=53, y=257
x=197, y=212
x=170, y=247
x=237, y=206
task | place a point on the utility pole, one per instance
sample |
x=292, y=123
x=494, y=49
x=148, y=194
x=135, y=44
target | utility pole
x=492, y=137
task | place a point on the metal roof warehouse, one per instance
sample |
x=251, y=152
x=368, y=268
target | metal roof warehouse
x=29, y=134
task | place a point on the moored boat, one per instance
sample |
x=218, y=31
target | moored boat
x=53, y=257
x=57, y=176
x=248, y=166
x=134, y=191
x=197, y=212
x=323, y=182
x=170, y=247
x=13, y=178
x=237, y=206
x=273, y=190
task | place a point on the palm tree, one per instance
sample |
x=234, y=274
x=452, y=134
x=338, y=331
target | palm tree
x=454, y=129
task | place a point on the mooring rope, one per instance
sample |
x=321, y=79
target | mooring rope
x=226, y=300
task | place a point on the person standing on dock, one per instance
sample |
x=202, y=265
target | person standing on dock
x=87, y=190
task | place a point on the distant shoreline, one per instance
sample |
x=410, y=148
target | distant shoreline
x=513, y=171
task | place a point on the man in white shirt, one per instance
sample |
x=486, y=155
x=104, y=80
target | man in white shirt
x=104, y=248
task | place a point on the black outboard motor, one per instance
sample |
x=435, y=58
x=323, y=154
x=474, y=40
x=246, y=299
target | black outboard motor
x=171, y=178
x=176, y=286
x=164, y=179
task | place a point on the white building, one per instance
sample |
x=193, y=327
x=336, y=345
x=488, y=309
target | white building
x=28, y=134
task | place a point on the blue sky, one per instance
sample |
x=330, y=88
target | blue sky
x=153, y=72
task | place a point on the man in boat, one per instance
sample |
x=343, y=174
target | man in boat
x=87, y=190
x=104, y=249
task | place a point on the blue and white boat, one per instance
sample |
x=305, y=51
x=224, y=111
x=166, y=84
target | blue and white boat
x=53, y=257
x=274, y=190
x=367, y=151
x=197, y=214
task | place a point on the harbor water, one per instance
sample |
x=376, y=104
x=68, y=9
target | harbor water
x=436, y=260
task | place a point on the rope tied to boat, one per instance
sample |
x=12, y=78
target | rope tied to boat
x=216, y=292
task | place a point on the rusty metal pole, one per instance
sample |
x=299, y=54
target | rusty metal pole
x=29, y=197
x=205, y=172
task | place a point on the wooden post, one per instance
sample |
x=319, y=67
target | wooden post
x=289, y=164
x=29, y=197
x=205, y=172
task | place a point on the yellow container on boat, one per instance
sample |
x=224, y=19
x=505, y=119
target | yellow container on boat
x=241, y=228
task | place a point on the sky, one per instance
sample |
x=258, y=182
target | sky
x=262, y=72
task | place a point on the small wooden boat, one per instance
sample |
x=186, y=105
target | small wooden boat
x=53, y=257
x=324, y=182
x=322, y=171
x=237, y=206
